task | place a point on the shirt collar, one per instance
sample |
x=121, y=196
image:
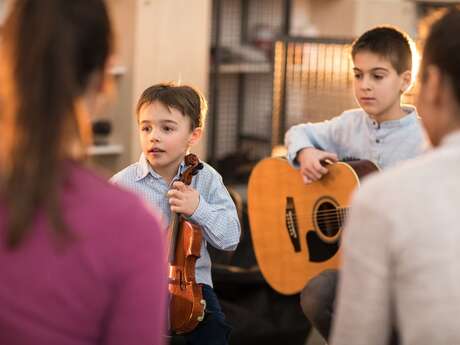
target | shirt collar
x=404, y=121
x=144, y=169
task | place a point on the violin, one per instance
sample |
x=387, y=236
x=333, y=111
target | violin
x=187, y=306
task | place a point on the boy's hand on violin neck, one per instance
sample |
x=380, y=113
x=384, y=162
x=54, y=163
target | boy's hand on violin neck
x=310, y=159
x=183, y=199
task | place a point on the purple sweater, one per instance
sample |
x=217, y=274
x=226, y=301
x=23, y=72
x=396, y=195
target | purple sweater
x=107, y=287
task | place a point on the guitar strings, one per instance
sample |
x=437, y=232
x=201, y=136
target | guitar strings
x=329, y=219
x=328, y=213
x=322, y=213
x=325, y=216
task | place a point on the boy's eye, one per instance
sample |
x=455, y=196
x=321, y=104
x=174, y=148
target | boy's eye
x=167, y=128
x=378, y=76
x=146, y=129
x=358, y=76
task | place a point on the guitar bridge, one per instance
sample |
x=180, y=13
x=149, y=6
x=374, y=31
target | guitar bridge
x=291, y=223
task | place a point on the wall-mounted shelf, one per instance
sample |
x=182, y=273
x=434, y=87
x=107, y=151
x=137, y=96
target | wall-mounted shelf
x=117, y=70
x=245, y=68
x=105, y=150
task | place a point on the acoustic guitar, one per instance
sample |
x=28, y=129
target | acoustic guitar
x=296, y=227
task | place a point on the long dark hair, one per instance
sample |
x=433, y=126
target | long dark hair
x=442, y=47
x=49, y=51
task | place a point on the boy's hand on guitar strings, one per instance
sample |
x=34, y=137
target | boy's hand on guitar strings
x=183, y=199
x=310, y=160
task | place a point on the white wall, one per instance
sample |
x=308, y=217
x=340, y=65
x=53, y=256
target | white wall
x=156, y=41
x=350, y=18
x=301, y=23
x=171, y=43
x=123, y=15
x=2, y=10
x=399, y=13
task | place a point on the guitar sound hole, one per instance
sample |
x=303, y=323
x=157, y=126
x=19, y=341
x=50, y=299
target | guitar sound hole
x=328, y=219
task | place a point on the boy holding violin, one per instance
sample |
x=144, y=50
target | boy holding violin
x=170, y=119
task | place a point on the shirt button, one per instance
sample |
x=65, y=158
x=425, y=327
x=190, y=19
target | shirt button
x=377, y=141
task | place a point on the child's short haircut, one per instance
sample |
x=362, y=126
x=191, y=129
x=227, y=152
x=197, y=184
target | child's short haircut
x=186, y=99
x=389, y=43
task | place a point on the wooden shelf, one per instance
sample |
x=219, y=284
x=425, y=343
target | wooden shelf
x=117, y=70
x=247, y=67
x=105, y=150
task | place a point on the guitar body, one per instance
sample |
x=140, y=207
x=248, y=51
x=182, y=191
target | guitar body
x=296, y=227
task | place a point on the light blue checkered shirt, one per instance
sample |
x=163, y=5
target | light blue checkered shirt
x=216, y=212
x=354, y=134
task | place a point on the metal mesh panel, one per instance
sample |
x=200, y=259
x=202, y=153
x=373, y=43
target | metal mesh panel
x=230, y=23
x=313, y=82
x=227, y=120
x=258, y=106
x=318, y=80
x=266, y=12
x=240, y=99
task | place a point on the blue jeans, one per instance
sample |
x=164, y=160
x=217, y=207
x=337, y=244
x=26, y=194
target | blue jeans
x=213, y=330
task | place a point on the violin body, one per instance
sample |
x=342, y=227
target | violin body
x=186, y=306
x=186, y=303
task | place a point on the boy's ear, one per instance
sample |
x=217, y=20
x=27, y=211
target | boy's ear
x=195, y=136
x=406, y=78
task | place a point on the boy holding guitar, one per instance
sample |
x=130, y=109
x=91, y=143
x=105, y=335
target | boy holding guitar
x=170, y=119
x=381, y=130
x=405, y=272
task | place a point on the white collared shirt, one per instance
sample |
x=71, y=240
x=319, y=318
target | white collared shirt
x=216, y=212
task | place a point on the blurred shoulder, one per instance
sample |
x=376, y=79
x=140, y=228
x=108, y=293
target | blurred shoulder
x=129, y=174
x=403, y=182
x=89, y=193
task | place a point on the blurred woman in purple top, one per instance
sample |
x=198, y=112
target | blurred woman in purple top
x=81, y=261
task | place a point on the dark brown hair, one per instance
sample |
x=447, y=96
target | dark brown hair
x=387, y=42
x=188, y=100
x=50, y=49
x=442, y=46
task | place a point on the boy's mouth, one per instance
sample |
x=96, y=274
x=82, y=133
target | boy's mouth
x=155, y=150
x=367, y=99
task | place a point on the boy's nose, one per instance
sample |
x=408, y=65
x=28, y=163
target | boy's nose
x=365, y=84
x=154, y=135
